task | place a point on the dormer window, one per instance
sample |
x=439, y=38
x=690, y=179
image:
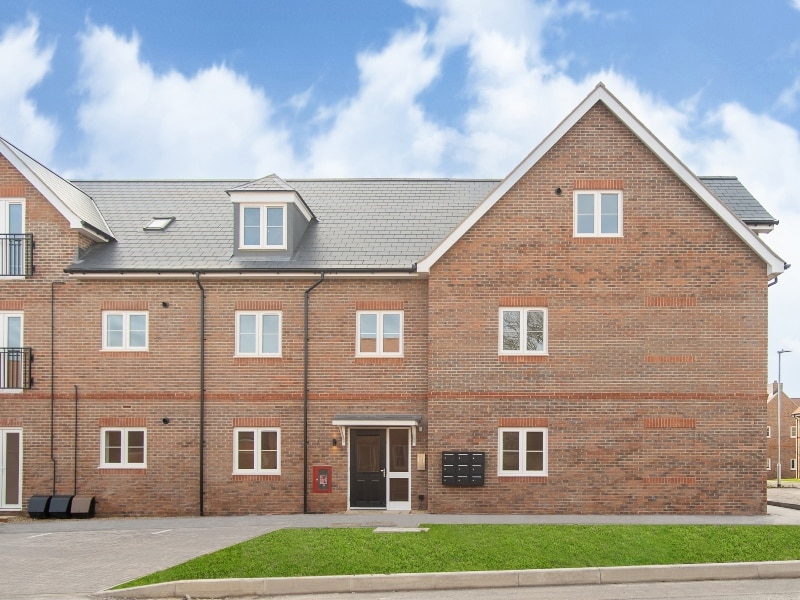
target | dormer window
x=263, y=226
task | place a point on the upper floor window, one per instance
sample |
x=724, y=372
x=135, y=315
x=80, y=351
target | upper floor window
x=123, y=447
x=769, y=431
x=257, y=451
x=793, y=431
x=263, y=226
x=523, y=331
x=380, y=333
x=14, y=359
x=598, y=214
x=258, y=333
x=522, y=451
x=124, y=330
x=14, y=244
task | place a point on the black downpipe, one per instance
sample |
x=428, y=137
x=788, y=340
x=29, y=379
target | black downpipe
x=53, y=379
x=305, y=391
x=202, y=387
x=75, y=449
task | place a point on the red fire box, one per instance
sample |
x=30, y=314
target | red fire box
x=322, y=479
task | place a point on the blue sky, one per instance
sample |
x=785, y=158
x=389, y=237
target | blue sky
x=417, y=88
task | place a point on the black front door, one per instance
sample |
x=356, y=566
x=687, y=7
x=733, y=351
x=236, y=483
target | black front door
x=368, y=468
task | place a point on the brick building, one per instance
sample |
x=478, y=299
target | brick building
x=559, y=341
x=788, y=434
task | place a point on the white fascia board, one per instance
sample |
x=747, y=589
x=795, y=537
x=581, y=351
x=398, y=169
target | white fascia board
x=75, y=222
x=775, y=264
x=270, y=197
x=221, y=275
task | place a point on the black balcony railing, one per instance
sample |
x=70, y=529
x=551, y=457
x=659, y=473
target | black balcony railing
x=15, y=368
x=16, y=254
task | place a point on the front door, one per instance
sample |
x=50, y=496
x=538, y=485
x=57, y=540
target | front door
x=368, y=468
x=10, y=469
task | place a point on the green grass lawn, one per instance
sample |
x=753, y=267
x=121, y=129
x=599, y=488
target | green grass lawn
x=299, y=552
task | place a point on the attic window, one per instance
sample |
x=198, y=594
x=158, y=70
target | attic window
x=159, y=223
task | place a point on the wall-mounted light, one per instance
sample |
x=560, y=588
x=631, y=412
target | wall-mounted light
x=165, y=420
x=558, y=191
x=333, y=442
x=165, y=304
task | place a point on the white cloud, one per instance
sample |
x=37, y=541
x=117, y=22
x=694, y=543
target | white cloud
x=796, y=4
x=139, y=123
x=23, y=65
x=787, y=99
x=382, y=130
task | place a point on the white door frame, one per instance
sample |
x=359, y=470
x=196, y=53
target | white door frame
x=4, y=434
x=390, y=474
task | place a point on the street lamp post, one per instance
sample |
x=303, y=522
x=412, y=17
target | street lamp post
x=780, y=393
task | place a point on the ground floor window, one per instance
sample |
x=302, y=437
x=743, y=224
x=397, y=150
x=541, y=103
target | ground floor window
x=123, y=447
x=522, y=451
x=257, y=451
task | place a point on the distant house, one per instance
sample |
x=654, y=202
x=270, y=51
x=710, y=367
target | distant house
x=790, y=412
x=555, y=342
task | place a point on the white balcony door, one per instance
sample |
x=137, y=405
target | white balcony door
x=12, y=251
x=10, y=354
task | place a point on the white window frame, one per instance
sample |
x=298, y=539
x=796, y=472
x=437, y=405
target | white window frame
x=769, y=464
x=123, y=464
x=259, y=314
x=520, y=471
x=793, y=431
x=379, y=350
x=256, y=470
x=262, y=237
x=4, y=343
x=597, y=213
x=126, y=330
x=5, y=204
x=769, y=431
x=792, y=464
x=523, y=334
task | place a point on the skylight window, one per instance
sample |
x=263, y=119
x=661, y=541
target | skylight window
x=159, y=223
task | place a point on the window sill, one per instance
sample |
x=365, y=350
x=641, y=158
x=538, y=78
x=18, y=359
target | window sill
x=523, y=358
x=522, y=478
x=257, y=360
x=379, y=360
x=123, y=470
x=124, y=353
x=255, y=477
x=598, y=239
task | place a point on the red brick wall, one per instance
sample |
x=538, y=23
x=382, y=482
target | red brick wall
x=788, y=443
x=645, y=326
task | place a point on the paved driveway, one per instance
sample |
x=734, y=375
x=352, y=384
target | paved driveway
x=49, y=558
x=77, y=557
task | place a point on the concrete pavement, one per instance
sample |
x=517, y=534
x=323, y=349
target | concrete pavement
x=76, y=558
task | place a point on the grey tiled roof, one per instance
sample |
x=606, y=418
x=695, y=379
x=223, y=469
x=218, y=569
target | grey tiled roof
x=365, y=224
x=73, y=198
x=737, y=198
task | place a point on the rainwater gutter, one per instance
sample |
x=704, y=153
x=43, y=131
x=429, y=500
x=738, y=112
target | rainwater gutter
x=53, y=378
x=202, y=387
x=305, y=390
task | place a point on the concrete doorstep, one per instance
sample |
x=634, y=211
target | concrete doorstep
x=281, y=586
